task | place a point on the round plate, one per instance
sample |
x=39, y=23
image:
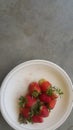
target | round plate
x=15, y=85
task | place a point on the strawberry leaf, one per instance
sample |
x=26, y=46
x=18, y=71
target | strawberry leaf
x=58, y=90
x=49, y=91
x=22, y=101
x=21, y=119
x=30, y=119
x=36, y=108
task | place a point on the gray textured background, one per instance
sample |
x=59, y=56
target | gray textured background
x=36, y=29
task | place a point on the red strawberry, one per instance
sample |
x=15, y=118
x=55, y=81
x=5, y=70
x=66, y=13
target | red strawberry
x=30, y=101
x=54, y=96
x=25, y=112
x=44, y=112
x=52, y=103
x=44, y=85
x=45, y=98
x=37, y=119
x=34, y=89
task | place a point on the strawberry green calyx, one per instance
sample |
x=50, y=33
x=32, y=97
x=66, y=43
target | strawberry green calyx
x=22, y=101
x=35, y=94
x=35, y=109
x=21, y=119
x=54, y=90
x=58, y=91
x=49, y=91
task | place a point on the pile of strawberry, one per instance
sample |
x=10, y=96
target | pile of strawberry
x=38, y=102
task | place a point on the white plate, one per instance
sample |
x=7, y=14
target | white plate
x=15, y=84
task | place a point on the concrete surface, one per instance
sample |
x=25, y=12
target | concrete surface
x=36, y=29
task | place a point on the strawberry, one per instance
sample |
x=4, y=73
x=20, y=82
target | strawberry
x=52, y=103
x=38, y=101
x=25, y=112
x=34, y=89
x=30, y=101
x=44, y=112
x=54, y=96
x=37, y=119
x=44, y=85
x=45, y=98
x=41, y=81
